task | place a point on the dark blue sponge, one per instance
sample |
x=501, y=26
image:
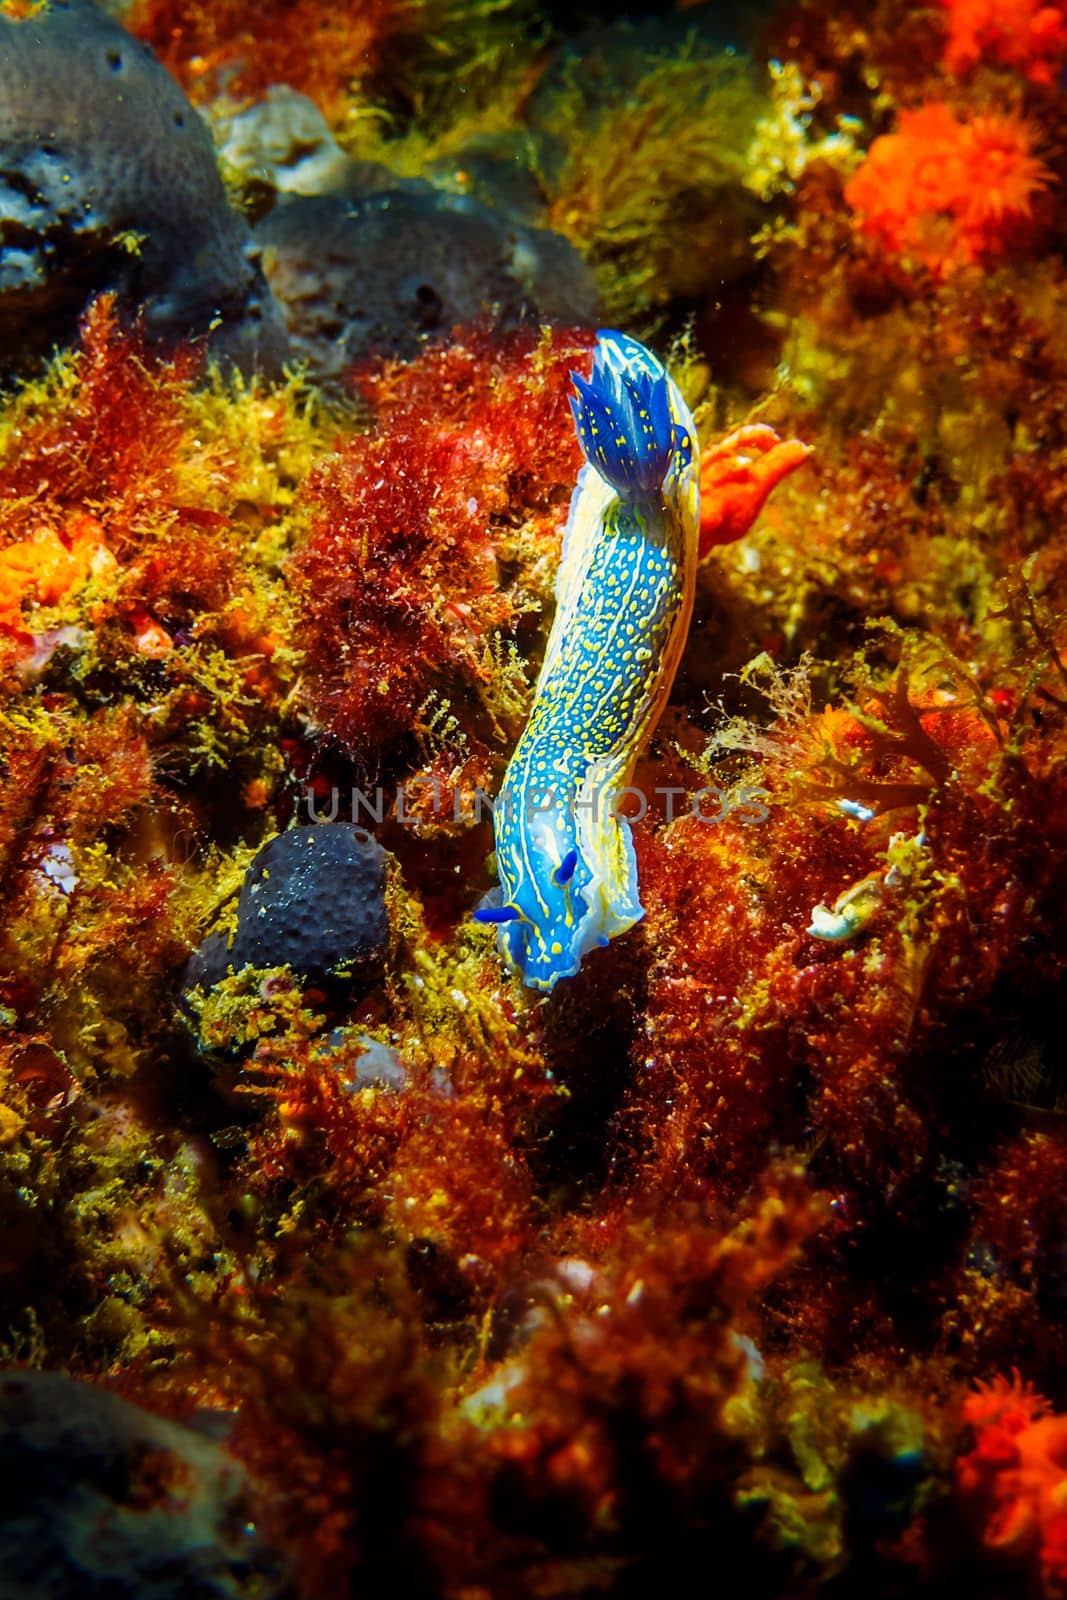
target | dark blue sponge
x=313, y=899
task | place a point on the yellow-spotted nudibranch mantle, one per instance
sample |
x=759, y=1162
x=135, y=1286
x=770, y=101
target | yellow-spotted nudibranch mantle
x=624, y=596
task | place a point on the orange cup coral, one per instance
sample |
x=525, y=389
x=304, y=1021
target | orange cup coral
x=1027, y=34
x=945, y=193
x=1016, y=1474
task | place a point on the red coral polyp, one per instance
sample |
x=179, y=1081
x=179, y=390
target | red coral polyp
x=942, y=193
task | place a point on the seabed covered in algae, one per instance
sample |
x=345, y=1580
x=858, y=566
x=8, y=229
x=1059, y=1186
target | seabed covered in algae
x=338, y=1258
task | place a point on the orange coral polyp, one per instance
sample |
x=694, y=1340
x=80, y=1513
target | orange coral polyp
x=1016, y=1474
x=945, y=193
x=1026, y=34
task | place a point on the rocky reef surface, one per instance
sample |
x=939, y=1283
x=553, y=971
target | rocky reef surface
x=335, y=1260
x=102, y=1499
x=377, y=275
x=109, y=182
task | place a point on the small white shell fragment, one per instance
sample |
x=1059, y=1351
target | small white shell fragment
x=851, y=911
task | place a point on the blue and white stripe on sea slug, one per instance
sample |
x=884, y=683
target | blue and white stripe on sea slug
x=624, y=597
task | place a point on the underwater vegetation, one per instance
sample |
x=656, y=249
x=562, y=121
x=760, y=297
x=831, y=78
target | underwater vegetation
x=352, y=1243
x=410, y=48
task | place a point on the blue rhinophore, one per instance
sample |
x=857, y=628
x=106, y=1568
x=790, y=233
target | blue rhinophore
x=565, y=871
x=623, y=416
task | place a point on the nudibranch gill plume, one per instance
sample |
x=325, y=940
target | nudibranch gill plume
x=624, y=596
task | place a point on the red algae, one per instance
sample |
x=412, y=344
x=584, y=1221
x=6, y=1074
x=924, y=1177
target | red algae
x=468, y=472
x=219, y=44
x=116, y=436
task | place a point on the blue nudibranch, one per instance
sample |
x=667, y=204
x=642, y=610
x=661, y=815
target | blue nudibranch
x=624, y=596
